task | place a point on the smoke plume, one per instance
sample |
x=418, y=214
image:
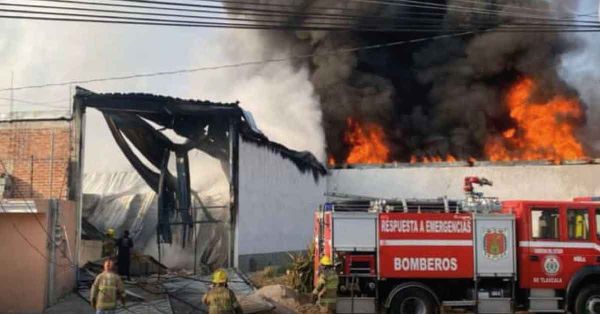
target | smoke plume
x=432, y=98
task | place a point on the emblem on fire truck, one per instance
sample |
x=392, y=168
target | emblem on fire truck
x=551, y=265
x=494, y=244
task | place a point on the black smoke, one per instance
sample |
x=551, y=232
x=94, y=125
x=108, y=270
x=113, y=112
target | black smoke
x=432, y=98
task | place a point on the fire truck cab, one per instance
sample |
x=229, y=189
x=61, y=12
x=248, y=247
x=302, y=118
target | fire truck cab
x=422, y=256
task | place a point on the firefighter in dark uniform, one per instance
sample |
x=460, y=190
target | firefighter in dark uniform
x=220, y=299
x=125, y=246
x=326, y=289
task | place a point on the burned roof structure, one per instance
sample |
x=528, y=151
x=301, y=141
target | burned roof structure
x=139, y=120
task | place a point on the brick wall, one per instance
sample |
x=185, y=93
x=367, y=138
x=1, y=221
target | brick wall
x=36, y=156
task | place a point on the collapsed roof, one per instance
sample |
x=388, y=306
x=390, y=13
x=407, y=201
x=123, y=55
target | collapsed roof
x=139, y=119
x=178, y=113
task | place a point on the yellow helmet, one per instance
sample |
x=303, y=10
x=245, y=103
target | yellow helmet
x=219, y=276
x=110, y=232
x=326, y=261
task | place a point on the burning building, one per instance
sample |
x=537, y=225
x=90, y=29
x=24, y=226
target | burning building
x=415, y=116
x=491, y=89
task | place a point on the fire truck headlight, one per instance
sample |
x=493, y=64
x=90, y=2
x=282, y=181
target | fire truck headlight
x=371, y=285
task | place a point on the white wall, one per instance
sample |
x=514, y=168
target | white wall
x=510, y=182
x=276, y=202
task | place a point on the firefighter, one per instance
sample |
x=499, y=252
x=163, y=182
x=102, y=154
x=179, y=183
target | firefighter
x=108, y=245
x=106, y=289
x=325, y=291
x=124, y=244
x=220, y=299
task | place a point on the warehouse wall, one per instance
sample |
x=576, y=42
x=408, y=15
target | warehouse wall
x=276, y=205
x=546, y=182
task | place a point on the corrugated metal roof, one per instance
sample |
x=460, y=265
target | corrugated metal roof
x=165, y=108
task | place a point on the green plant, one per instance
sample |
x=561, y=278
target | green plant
x=300, y=274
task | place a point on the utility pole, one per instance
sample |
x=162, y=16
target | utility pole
x=12, y=93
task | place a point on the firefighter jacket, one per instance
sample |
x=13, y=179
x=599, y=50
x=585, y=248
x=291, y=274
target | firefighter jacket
x=106, y=289
x=108, y=247
x=327, y=286
x=221, y=300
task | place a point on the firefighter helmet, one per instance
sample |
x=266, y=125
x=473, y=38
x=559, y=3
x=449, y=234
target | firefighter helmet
x=219, y=276
x=110, y=232
x=326, y=261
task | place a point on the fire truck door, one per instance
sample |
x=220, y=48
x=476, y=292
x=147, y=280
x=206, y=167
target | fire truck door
x=544, y=257
x=580, y=249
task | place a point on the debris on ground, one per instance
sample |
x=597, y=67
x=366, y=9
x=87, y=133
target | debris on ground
x=144, y=265
x=283, y=298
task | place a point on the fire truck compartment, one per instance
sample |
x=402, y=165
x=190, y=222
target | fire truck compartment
x=354, y=231
x=350, y=305
x=494, y=243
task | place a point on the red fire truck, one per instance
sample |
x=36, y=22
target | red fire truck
x=480, y=254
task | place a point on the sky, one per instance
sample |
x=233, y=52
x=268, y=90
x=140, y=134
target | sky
x=280, y=96
x=37, y=52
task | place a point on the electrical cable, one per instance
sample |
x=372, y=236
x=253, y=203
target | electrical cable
x=453, y=8
x=403, y=3
x=235, y=65
x=153, y=21
x=220, y=18
x=242, y=64
x=271, y=21
x=324, y=26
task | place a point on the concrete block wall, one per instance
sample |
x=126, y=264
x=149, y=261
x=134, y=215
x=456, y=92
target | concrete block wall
x=36, y=155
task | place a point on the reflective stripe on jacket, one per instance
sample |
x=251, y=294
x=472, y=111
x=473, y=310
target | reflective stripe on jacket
x=327, y=287
x=106, y=289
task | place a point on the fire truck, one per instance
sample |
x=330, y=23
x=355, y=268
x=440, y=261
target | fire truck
x=479, y=254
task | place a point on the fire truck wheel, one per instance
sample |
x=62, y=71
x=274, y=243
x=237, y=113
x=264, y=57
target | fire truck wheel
x=413, y=301
x=588, y=300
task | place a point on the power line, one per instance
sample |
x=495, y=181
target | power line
x=455, y=8
x=237, y=65
x=248, y=63
x=402, y=3
x=252, y=23
x=270, y=23
x=542, y=27
x=202, y=17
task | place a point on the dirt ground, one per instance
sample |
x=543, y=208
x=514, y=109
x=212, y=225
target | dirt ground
x=268, y=279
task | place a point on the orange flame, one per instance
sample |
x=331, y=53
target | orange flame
x=544, y=131
x=367, y=143
x=430, y=159
x=331, y=160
